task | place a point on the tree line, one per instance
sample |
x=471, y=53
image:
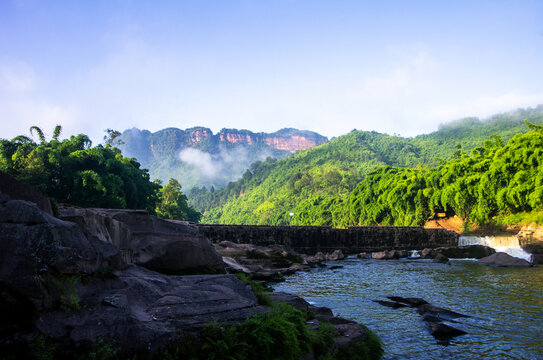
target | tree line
x=73, y=171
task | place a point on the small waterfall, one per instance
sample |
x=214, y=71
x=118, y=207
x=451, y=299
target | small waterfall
x=414, y=254
x=506, y=244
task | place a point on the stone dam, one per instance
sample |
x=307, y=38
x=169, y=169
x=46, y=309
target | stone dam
x=351, y=240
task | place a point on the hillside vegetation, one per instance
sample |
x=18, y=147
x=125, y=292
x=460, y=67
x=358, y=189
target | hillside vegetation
x=367, y=178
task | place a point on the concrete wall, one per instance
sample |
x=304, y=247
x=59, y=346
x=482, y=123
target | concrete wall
x=352, y=240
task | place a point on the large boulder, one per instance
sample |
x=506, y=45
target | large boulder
x=38, y=255
x=503, y=259
x=11, y=188
x=162, y=245
x=34, y=243
x=336, y=255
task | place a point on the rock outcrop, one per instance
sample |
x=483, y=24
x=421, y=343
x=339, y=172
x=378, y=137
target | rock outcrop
x=268, y=263
x=162, y=245
x=531, y=240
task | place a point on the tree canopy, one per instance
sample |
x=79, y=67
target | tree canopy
x=72, y=171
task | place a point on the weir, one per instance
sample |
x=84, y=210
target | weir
x=506, y=244
x=351, y=240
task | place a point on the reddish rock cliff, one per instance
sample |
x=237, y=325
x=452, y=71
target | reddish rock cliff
x=286, y=139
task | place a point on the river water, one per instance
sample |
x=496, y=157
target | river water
x=505, y=305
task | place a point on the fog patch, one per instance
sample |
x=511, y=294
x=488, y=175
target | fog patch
x=227, y=164
x=201, y=161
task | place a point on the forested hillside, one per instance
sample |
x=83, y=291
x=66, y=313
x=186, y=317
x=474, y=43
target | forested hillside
x=325, y=185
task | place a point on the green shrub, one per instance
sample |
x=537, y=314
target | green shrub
x=67, y=292
x=42, y=349
x=369, y=349
x=322, y=340
x=260, y=289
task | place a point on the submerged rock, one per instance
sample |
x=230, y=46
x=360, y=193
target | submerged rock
x=444, y=332
x=440, y=258
x=503, y=259
x=442, y=313
x=391, y=304
x=410, y=301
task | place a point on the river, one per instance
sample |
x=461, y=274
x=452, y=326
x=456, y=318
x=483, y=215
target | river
x=505, y=305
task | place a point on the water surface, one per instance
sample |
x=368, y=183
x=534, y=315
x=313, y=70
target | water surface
x=505, y=305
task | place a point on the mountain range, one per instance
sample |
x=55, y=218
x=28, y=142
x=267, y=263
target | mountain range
x=197, y=157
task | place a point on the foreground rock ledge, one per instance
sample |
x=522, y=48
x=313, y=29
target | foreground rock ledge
x=141, y=308
x=69, y=281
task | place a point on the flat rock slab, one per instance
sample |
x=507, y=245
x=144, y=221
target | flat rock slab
x=142, y=308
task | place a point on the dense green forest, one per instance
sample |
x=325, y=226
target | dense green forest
x=493, y=180
x=367, y=178
x=72, y=171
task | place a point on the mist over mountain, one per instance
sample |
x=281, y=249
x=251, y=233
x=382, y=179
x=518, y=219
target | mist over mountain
x=197, y=157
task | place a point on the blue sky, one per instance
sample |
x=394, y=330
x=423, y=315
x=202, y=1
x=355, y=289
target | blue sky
x=399, y=67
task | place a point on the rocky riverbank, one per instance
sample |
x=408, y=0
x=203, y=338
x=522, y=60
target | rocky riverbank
x=484, y=254
x=101, y=281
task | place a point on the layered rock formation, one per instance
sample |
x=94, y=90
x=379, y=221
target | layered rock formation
x=157, y=244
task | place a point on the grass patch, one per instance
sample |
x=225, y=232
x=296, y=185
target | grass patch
x=67, y=292
x=522, y=218
x=260, y=289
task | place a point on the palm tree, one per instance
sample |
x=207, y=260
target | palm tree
x=41, y=136
x=56, y=132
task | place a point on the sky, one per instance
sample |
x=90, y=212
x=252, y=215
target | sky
x=397, y=67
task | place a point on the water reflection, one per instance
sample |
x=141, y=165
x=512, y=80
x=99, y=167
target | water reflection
x=506, y=305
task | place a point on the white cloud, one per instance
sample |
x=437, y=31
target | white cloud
x=485, y=106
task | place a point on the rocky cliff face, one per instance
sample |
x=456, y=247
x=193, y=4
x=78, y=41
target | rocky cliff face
x=290, y=140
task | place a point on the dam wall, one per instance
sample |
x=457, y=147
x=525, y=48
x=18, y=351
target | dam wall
x=351, y=240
